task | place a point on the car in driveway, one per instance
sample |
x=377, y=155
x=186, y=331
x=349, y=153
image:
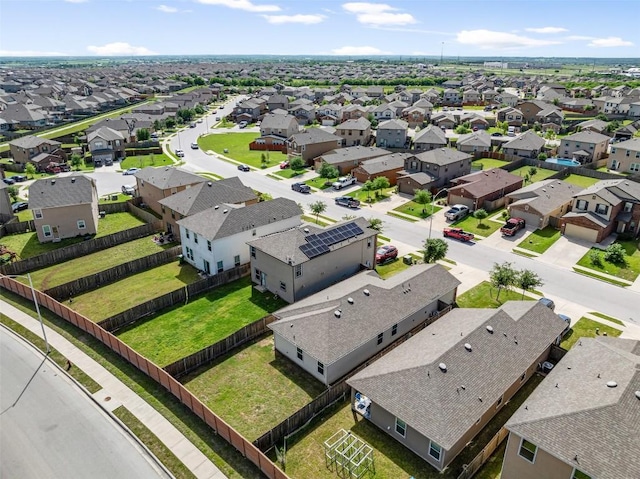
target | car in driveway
x=344, y=181
x=301, y=188
x=567, y=320
x=128, y=190
x=9, y=181
x=284, y=165
x=386, y=253
x=131, y=171
x=244, y=167
x=456, y=212
x=19, y=178
x=242, y=124
x=496, y=133
x=348, y=202
x=548, y=303
x=19, y=206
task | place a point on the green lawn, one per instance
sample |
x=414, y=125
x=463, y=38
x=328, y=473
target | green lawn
x=412, y=208
x=120, y=198
x=472, y=225
x=402, y=217
x=311, y=218
x=389, y=269
x=142, y=161
x=628, y=271
x=540, y=240
x=27, y=244
x=579, y=180
x=484, y=295
x=133, y=290
x=608, y=318
x=289, y=173
x=252, y=389
x=541, y=173
x=586, y=328
x=372, y=196
x=99, y=261
x=177, y=332
x=321, y=183
x=237, y=145
x=488, y=163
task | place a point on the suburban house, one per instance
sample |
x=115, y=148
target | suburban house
x=542, y=203
x=355, y=132
x=444, y=120
x=625, y=156
x=584, y=146
x=384, y=112
x=332, y=332
x=392, y=134
x=599, y=126
x=582, y=421
x=311, y=143
x=278, y=101
x=23, y=117
x=64, y=207
x=433, y=169
x=388, y=166
x=274, y=131
x=6, y=213
x=531, y=108
x=215, y=239
x=506, y=98
x=429, y=138
x=202, y=196
x=346, y=159
x=484, y=189
x=249, y=110
x=451, y=96
x=512, y=116
x=550, y=119
x=474, y=142
x=154, y=184
x=36, y=150
x=436, y=391
x=526, y=145
x=105, y=144
x=608, y=206
x=302, y=261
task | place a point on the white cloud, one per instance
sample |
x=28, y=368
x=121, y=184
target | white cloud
x=487, y=39
x=580, y=37
x=245, y=5
x=547, y=30
x=30, y=53
x=167, y=9
x=610, y=42
x=305, y=19
x=358, y=51
x=378, y=14
x=118, y=49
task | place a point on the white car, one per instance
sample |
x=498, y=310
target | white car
x=130, y=171
x=194, y=146
x=344, y=181
x=179, y=153
x=128, y=190
x=457, y=212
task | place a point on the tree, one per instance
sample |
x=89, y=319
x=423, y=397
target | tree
x=199, y=109
x=265, y=197
x=376, y=224
x=328, y=171
x=296, y=163
x=601, y=116
x=434, y=250
x=77, y=161
x=480, y=215
x=186, y=114
x=170, y=123
x=615, y=254
x=502, y=125
x=422, y=197
x=13, y=192
x=142, y=134
x=380, y=183
x=30, y=169
x=317, y=208
x=462, y=129
x=527, y=280
x=542, y=157
x=157, y=125
x=502, y=276
x=368, y=187
x=532, y=171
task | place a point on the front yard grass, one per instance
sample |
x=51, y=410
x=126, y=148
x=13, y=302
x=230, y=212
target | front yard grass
x=371, y=196
x=389, y=269
x=628, y=271
x=488, y=163
x=133, y=290
x=472, y=225
x=288, y=173
x=252, y=389
x=142, y=161
x=586, y=328
x=174, y=333
x=484, y=295
x=540, y=240
x=237, y=146
x=99, y=261
x=27, y=245
x=608, y=318
x=541, y=173
x=412, y=208
x=321, y=183
x=311, y=218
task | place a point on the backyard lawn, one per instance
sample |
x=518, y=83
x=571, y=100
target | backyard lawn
x=540, y=240
x=586, y=328
x=484, y=295
x=488, y=163
x=27, y=244
x=579, y=180
x=628, y=271
x=133, y=290
x=252, y=389
x=237, y=146
x=177, y=332
x=541, y=173
x=99, y=261
x=142, y=161
x=415, y=209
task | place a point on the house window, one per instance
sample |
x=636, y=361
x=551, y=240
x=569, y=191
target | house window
x=602, y=209
x=299, y=354
x=527, y=450
x=582, y=205
x=236, y=260
x=162, y=208
x=579, y=475
x=380, y=338
x=258, y=276
x=37, y=214
x=435, y=451
x=628, y=207
x=283, y=286
x=81, y=224
x=46, y=230
x=253, y=251
x=186, y=231
x=613, y=150
x=209, y=245
x=369, y=242
x=189, y=253
x=635, y=167
x=220, y=267
x=298, y=270
x=394, y=330
x=195, y=238
x=401, y=427
x=173, y=215
x=320, y=368
x=207, y=267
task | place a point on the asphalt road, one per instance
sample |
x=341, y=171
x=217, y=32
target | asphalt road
x=54, y=430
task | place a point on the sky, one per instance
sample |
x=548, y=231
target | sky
x=539, y=28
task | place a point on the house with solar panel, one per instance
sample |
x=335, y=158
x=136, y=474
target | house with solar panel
x=334, y=331
x=302, y=261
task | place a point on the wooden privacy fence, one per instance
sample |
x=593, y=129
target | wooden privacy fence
x=93, y=281
x=163, y=378
x=182, y=295
x=19, y=227
x=477, y=462
x=211, y=353
x=79, y=249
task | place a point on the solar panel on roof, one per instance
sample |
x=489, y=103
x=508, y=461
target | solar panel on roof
x=311, y=251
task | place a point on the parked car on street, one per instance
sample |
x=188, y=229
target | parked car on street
x=19, y=206
x=301, y=188
x=386, y=253
x=131, y=171
x=456, y=212
x=457, y=233
x=194, y=146
x=244, y=167
x=348, y=202
x=179, y=153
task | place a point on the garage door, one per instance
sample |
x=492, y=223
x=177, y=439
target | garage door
x=579, y=232
x=532, y=221
x=460, y=200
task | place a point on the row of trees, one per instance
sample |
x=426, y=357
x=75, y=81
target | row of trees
x=504, y=277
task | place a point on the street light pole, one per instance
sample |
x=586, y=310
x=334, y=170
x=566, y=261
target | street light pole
x=433, y=203
x=35, y=301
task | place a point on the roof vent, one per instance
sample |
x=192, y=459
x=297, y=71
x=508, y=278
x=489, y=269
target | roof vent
x=306, y=230
x=209, y=183
x=443, y=367
x=467, y=346
x=350, y=300
x=612, y=384
x=490, y=329
x=366, y=292
x=216, y=207
x=225, y=211
x=337, y=313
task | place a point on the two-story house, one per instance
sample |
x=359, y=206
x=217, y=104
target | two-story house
x=105, y=144
x=392, y=134
x=249, y=110
x=384, y=112
x=346, y=159
x=39, y=151
x=429, y=138
x=625, y=156
x=531, y=108
x=451, y=96
x=155, y=184
x=311, y=143
x=511, y=115
x=584, y=146
x=215, y=240
x=432, y=170
x=474, y=143
x=354, y=132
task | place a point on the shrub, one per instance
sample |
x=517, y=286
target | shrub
x=615, y=254
x=595, y=258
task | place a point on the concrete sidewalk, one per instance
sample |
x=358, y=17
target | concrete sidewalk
x=119, y=394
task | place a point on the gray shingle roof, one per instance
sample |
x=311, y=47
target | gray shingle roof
x=632, y=145
x=384, y=163
x=105, y=133
x=359, y=124
x=477, y=138
x=587, y=136
x=277, y=122
x=312, y=325
x=408, y=383
x=614, y=191
x=167, y=177
x=313, y=135
x=75, y=189
x=485, y=182
x=527, y=141
x=432, y=135
x=582, y=416
x=393, y=125
x=353, y=153
x=31, y=141
x=442, y=156
x=545, y=196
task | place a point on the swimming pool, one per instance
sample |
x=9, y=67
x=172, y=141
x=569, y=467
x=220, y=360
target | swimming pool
x=563, y=161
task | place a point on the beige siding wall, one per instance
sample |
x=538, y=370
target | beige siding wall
x=545, y=466
x=65, y=221
x=276, y=271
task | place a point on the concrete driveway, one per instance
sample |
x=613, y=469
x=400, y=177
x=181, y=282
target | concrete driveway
x=565, y=252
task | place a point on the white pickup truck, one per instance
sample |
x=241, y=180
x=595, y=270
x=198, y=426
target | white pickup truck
x=344, y=181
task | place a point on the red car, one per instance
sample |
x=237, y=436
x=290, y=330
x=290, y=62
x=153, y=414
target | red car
x=457, y=233
x=284, y=164
x=386, y=253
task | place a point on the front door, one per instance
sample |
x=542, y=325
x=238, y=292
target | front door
x=56, y=233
